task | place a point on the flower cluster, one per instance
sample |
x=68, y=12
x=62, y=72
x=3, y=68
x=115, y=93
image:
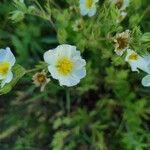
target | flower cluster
x=139, y=62
x=88, y=7
x=122, y=42
x=64, y=64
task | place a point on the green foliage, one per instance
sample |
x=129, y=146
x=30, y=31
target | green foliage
x=145, y=39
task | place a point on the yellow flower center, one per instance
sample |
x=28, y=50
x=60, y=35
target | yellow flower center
x=89, y=3
x=133, y=56
x=64, y=66
x=4, y=67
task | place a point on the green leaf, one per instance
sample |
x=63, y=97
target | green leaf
x=145, y=40
x=58, y=140
x=8, y=132
x=18, y=72
x=145, y=37
x=17, y=16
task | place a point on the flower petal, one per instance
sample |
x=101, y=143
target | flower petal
x=7, y=55
x=92, y=12
x=146, y=81
x=82, y=1
x=69, y=81
x=7, y=79
x=53, y=72
x=80, y=73
x=79, y=63
x=10, y=57
x=65, y=50
x=2, y=54
x=83, y=9
x=49, y=56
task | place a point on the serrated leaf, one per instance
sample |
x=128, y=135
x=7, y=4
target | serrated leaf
x=145, y=37
x=18, y=72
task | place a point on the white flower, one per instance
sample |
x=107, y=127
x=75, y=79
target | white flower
x=138, y=62
x=65, y=64
x=88, y=7
x=7, y=60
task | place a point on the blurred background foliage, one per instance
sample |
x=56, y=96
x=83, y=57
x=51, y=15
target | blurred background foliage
x=110, y=110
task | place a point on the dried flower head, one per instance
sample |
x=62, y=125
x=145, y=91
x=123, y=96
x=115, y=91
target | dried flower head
x=78, y=25
x=122, y=41
x=121, y=5
x=146, y=81
x=40, y=79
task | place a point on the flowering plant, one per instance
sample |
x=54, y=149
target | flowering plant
x=77, y=72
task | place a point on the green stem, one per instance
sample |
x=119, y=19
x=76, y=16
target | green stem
x=68, y=100
x=34, y=70
x=38, y=4
x=57, y=6
x=120, y=126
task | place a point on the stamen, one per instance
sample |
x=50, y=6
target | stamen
x=133, y=56
x=89, y=3
x=64, y=66
x=4, y=67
